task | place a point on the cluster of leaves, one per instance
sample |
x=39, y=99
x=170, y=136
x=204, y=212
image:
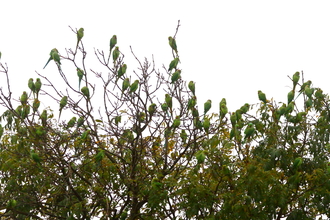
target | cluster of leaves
x=147, y=152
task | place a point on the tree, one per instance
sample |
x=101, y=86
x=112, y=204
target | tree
x=145, y=152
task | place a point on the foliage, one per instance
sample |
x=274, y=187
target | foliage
x=136, y=147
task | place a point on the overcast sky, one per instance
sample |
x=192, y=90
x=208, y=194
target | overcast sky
x=230, y=49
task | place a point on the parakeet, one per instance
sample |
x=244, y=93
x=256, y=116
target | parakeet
x=164, y=107
x=85, y=91
x=99, y=156
x=152, y=109
x=183, y=136
x=168, y=100
x=125, y=84
x=249, y=131
x=206, y=124
x=172, y=43
x=35, y=157
x=51, y=55
x=121, y=71
x=233, y=119
x=35, y=105
x=80, y=74
x=191, y=86
x=134, y=86
x=115, y=54
x=308, y=91
x=245, y=108
x=207, y=106
x=38, y=86
x=113, y=42
x=262, y=97
x=290, y=96
x=71, y=122
x=56, y=57
x=176, y=122
x=31, y=85
x=192, y=102
x=195, y=112
x=223, y=108
x=80, y=35
x=175, y=76
x=173, y=64
x=295, y=79
x=141, y=116
x=63, y=103
x=80, y=121
x=43, y=118
x=24, y=98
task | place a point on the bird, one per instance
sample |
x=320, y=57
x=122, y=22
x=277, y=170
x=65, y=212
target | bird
x=63, y=103
x=80, y=74
x=51, y=55
x=80, y=35
x=207, y=106
x=191, y=86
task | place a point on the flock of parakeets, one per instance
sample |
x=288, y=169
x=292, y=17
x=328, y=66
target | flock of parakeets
x=167, y=105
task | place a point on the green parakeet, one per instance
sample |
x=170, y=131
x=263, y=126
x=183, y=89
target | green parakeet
x=172, y=43
x=191, y=86
x=207, y=106
x=152, y=109
x=249, y=131
x=115, y=54
x=175, y=76
x=245, y=108
x=51, y=55
x=295, y=79
x=31, y=85
x=80, y=121
x=113, y=42
x=85, y=92
x=308, y=91
x=173, y=64
x=63, y=103
x=303, y=87
x=206, y=124
x=176, y=122
x=43, y=118
x=289, y=108
x=200, y=156
x=80, y=35
x=35, y=157
x=35, y=105
x=192, y=102
x=290, y=96
x=164, y=107
x=99, y=156
x=223, y=108
x=168, y=101
x=183, y=136
x=141, y=116
x=233, y=119
x=297, y=163
x=125, y=84
x=195, y=112
x=38, y=86
x=80, y=74
x=121, y=71
x=24, y=98
x=134, y=86
x=56, y=57
x=71, y=122
x=262, y=97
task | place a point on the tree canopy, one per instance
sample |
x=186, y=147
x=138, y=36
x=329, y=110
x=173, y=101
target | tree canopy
x=137, y=144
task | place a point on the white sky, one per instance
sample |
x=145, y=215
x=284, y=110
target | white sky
x=230, y=49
